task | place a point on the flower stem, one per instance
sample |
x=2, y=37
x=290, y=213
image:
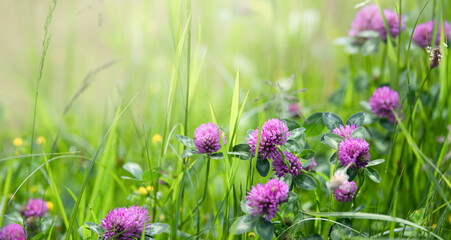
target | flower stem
x=204, y=194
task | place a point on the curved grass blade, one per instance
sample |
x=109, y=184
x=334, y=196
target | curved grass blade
x=372, y=216
x=91, y=168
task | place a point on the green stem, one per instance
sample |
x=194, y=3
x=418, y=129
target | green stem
x=204, y=194
x=281, y=218
x=179, y=201
x=421, y=88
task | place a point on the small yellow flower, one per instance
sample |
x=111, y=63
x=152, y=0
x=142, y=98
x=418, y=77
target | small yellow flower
x=156, y=138
x=434, y=226
x=162, y=217
x=33, y=189
x=50, y=205
x=449, y=219
x=40, y=140
x=251, y=235
x=17, y=142
x=142, y=190
x=149, y=188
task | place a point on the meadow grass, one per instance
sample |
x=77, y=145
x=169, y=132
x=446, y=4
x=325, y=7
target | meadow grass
x=96, y=96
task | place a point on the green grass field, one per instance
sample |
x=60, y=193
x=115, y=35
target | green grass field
x=96, y=95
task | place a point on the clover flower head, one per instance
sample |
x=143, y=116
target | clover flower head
x=125, y=223
x=207, y=139
x=273, y=133
x=35, y=208
x=337, y=179
x=383, y=101
x=13, y=231
x=354, y=152
x=345, y=192
x=264, y=200
x=294, y=166
x=369, y=18
x=422, y=36
x=345, y=131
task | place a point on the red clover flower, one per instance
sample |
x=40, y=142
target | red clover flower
x=125, y=223
x=422, y=36
x=383, y=101
x=35, y=208
x=345, y=192
x=280, y=168
x=369, y=18
x=264, y=200
x=12, y=231
x=354, y=151
x=273, y=133
x=206, y=138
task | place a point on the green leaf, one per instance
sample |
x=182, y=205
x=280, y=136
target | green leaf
x=307, y=154
x=38, y=236
x=189, y=152
x=360, y=132
x=417, y=216
x=359, y=208
x=15, y=217
x=333, y=159
x=95, y=228
x=293, y=146
x=296, y=133
x=356, y=119
x=332, y=121
x=244, y=207
x=373, y=174
x=340, y=231
x=241, y=151
x=157, y=228
x=352, y=173
x=241, y=155
x=351, y=48
x=307, y=163
x=333, y=140
x=186, y=141
x=262, y=166
x=264, y=229
x=370, y=46
x=368, y=34
x=243, y=147
x=375, y=162
x=385, y=123
x=217, y=156
x=305, y=182
x=302, y=141
x=243, y=224
x=151, y=177
x=291, y=124
x=288, y=179
x=314, y=236
x=365, y=105
x=134, y=169
x=314, y=124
